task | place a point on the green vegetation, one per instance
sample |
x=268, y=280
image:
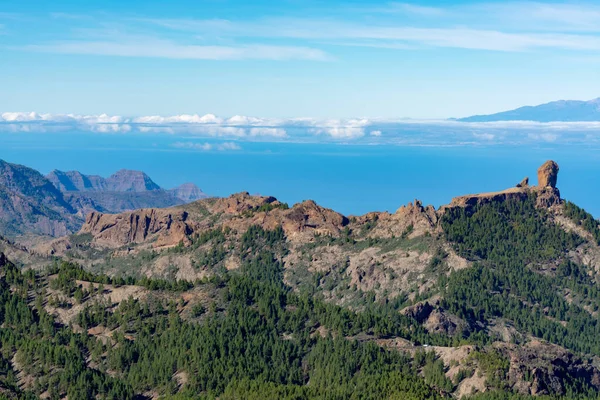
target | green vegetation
x=583, y=218
x=511, y=241
x=248, y=335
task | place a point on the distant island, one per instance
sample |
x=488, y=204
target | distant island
x=556, y=111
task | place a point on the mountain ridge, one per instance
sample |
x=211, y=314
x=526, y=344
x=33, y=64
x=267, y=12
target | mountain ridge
x=555, y=111
x=494, y=295
x=56, y=204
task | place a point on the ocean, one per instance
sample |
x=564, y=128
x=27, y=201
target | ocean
x=352, y=178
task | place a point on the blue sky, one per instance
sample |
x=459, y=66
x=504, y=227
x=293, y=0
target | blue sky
x=331, y=59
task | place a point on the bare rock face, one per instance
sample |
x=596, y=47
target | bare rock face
x=167, y=226
x=242, y=202
x=309, y=215
x=548, y=174
x=550, y=367
x=483, y=198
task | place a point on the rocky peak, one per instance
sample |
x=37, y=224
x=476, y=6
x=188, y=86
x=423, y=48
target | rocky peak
x=130, y=181
x=524, y=183
x=188, y=192
x=547, y=193
x=75, y=181
x=309, y=215
x=548, y=174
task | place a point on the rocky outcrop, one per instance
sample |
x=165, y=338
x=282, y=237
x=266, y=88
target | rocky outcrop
x=493, y=197
x=303, y=218
x=416, y=214
x=550, y=368
x=548, y=174
x=166, y=227
x=171, y=226
x=524, y=183
x=3, y=260
x=310, y=216
x=547, y=195
x=242, y=202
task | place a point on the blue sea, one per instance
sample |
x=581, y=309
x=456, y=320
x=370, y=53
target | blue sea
x=350, y=177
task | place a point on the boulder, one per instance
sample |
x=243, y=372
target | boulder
x=548, y=174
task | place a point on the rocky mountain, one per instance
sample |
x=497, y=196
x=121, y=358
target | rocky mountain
x=494, y=296
x=124, y=190
x=563, y=111
x=56, y=205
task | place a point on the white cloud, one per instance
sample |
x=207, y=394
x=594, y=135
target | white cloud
x=157, y=48
x=545, y=137
x=339, y=129
x=226, y=146
x=193, y=146
x=399, y=132
x=484, y=136
x=514, y=27
x=243, y=120
x=183, y=118
x=274, y=132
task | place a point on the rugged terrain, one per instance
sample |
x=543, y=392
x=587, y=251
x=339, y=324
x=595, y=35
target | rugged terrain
x=32, y=205
x=494, y=295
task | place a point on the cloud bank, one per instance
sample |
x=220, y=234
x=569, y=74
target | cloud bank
x=355, y=130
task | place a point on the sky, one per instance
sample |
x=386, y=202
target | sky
x=296, y=58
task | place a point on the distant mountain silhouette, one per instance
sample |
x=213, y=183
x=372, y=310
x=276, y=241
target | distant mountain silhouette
x=556, y=111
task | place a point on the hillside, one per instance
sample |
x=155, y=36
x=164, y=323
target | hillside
x=494, y=296
x=563, y=111
x=30, y=204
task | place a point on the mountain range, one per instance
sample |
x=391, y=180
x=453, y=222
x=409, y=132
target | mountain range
x=57, y=204
x=556, y=111
x=494, y=296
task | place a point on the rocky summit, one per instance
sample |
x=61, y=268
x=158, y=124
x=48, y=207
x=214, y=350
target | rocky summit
x=548, y=174
x=546, y=192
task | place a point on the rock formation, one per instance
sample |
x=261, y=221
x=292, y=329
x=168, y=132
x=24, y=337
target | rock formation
x=524, y=183
x=166, y=227
x=547, y=174
x=547, y=195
